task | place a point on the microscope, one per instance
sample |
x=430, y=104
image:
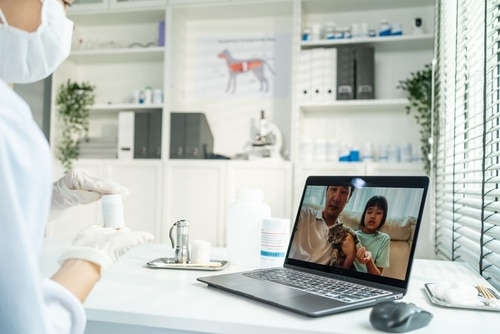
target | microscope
x=266, y=141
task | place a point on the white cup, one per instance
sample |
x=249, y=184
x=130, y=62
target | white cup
x=112, y=211
x=200, y=252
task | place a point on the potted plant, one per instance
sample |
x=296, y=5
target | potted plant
x=73, y=101
x=419, y=89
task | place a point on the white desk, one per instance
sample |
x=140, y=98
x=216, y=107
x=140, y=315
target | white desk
x=130, y=298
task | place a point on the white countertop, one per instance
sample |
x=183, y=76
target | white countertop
x=131, y=298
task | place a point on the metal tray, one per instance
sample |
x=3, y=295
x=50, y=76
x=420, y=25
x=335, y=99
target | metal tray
x=169, y=263
x=440, y=302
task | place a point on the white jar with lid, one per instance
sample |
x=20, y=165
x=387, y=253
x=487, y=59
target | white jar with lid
x=148, y=95
x=244, y=225
x=356, y=30
x=306, y=34
x=329, y=30
x=157, y=96
x=347, y=32
x=316, y=32
x=385, y=28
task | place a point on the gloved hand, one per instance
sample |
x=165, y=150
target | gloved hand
x=104, y=245
x=79, y=187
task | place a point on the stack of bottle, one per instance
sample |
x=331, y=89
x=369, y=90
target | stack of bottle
x=330, y=31
x=321, y=149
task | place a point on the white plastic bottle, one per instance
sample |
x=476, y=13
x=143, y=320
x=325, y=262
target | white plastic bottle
x=244, y=225
x=274, y=241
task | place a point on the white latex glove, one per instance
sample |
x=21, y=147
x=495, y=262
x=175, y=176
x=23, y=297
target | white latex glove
x=79, y=187
x=104, y=245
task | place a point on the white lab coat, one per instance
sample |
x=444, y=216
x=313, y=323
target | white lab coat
x=28, y=303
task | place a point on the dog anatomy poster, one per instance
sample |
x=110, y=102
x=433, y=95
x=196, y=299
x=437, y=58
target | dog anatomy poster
x=243, y=65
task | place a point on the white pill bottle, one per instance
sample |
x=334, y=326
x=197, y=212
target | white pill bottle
x=244, y=225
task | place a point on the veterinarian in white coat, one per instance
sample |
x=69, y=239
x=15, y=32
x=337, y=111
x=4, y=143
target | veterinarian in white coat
x=35, y=37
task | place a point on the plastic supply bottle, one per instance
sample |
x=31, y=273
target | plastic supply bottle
x=244, y=225
x=384, y=29
x=157, y=96
x=306, y=34
x=112, y=211
x=274, y=241
x=148, y=95
x=316, y=32
x=329, y=31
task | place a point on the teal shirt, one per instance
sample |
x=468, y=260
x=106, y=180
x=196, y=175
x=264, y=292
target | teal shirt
x=378, y=244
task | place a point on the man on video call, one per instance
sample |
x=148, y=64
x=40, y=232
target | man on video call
x=310, y=241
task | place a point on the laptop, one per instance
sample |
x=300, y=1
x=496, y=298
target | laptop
x=317, y=278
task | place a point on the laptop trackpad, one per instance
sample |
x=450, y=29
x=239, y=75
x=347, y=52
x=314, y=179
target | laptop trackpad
x=270, y=291
x=248, y=286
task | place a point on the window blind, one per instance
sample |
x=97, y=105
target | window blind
x=467, y=151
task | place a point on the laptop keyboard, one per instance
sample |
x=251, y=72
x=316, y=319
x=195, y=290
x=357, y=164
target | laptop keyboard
x=347, y=292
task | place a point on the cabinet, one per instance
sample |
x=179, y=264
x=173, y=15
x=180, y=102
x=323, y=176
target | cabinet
x=194, y=190
x=117, y=48
x=274, y=178
x=201, y=192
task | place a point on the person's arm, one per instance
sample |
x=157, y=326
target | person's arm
x=365, y=257
x=349, y=249
x=78, y=276
x=371, y=268
x=29, y=20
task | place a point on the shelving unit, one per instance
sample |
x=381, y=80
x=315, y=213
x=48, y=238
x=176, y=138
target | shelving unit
x=115, y=48
x=382, y=120
x=193, y=78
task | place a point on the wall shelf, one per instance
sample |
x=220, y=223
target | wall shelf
x=354, y=105
x=85, y=16
x=355, y=6
x=399, y=42
x=125, y=107
x=155, y=53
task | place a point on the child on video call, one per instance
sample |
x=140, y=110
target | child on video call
x=373, y=257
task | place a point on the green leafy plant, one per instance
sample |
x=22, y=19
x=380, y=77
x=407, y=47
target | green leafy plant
x=73, y=101
x=419, y=89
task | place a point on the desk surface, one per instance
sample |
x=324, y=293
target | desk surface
x=132, y=296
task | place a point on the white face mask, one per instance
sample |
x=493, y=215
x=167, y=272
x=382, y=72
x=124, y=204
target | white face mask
x=31, y=56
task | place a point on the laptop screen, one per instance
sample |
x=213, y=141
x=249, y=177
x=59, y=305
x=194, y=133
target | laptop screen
x=363, y=227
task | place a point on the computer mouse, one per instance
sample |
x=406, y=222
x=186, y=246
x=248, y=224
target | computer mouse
x=398, y=317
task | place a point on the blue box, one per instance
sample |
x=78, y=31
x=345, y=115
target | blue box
x=161, y=33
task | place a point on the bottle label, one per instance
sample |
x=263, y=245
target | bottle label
x=272, y=254
x=274, y=238
x=273, y=244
